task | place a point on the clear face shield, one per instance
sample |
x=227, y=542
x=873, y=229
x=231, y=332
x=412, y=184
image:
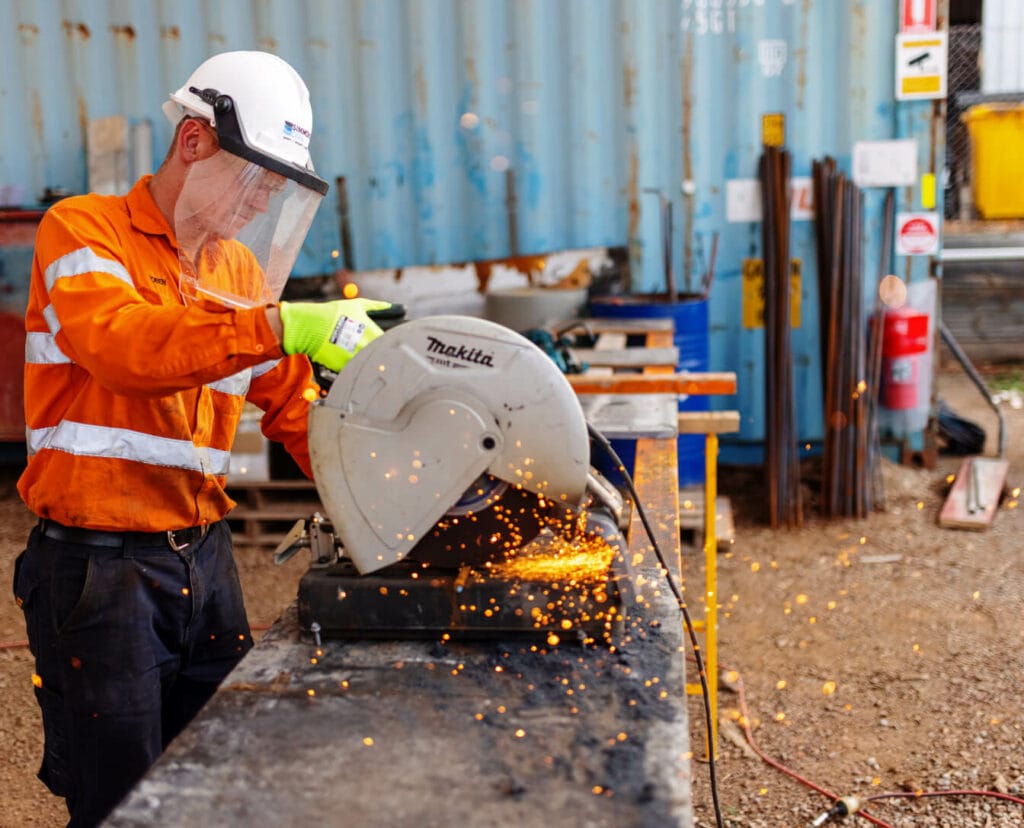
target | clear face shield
x=241, y=219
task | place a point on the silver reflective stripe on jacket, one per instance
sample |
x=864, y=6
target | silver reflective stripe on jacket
x=123, y=444
x=264, y=368
x=82, y=261
x=76, y=263
x=237, y=385
x=42, y=349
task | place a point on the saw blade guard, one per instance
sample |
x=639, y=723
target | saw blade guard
x=422, y=412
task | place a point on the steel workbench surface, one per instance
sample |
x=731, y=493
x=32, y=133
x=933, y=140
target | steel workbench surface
x=425, y=733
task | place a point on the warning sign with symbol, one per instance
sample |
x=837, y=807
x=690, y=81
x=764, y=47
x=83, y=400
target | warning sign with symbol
x=921, y=66
x=917, y=234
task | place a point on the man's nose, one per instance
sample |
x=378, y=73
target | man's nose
x=259, y=200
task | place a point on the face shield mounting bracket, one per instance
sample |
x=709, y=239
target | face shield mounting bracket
x=231, y=136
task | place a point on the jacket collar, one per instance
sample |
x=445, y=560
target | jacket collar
x=145, y=215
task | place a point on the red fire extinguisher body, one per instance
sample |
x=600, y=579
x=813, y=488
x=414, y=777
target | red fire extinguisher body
x=904, y=340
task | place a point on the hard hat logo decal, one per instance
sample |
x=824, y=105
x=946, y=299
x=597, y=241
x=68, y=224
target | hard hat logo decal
x=296, y=134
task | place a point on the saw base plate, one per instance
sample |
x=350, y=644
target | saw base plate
x=579, y=595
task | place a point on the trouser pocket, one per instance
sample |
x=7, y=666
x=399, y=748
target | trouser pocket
x=25, y=584
x=55, y=772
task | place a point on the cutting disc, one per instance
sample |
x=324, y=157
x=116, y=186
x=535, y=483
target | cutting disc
x=489, y=523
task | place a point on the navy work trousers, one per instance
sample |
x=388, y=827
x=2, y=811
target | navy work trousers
x=129, y=643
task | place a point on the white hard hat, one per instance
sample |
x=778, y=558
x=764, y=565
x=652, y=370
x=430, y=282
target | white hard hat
x=270, y=102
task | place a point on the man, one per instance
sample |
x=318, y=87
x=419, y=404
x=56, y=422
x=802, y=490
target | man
x=152, y=318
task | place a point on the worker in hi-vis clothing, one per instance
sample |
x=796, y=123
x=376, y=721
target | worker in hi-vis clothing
x=152, y=318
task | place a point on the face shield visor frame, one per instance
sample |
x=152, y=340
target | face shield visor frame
x=242, y=217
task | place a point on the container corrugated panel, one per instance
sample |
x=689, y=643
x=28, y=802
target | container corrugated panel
x=1002, y=53
x=430, y=110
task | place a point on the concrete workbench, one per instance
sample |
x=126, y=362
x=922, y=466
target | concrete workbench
x=383, y=733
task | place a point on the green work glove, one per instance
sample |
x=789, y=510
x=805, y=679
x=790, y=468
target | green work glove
x=329, y=333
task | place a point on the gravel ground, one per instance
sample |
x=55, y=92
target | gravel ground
x=875, y=656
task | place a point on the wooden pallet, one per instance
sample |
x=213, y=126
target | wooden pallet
x=268, y=509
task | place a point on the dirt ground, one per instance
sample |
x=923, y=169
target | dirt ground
x=876, y=656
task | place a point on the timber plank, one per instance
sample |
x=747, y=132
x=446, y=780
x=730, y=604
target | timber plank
x=669, y=383
x=957, y=511
x=627, y=357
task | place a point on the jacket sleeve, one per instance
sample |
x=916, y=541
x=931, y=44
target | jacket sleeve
x=130, y=344
x=283, y=390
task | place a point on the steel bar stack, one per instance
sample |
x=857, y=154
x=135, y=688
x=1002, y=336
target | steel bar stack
x=850, y=358
x=782, y=463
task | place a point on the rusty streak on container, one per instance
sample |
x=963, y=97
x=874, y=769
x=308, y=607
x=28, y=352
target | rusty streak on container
x=83, y=114
x=71, y=29
x=28, y=28
x=628, y=84
x=128, y=32
x=801, y=54
x=37, y=116
x=170, y=32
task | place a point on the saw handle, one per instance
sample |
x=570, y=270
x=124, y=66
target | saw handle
x=387, y=318
x=384, y=318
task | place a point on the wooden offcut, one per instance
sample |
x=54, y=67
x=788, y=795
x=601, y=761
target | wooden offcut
x=964, y=511
x=671, y=383
x=601, y=325
x=708, y=422
x=692, y=516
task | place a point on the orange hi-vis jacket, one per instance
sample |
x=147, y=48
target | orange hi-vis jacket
x=132, y=398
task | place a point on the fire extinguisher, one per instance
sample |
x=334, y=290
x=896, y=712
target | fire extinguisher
x=904, y=341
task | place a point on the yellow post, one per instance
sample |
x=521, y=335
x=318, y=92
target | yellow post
x=711, y=583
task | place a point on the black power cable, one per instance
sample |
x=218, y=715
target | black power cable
x=606, y=446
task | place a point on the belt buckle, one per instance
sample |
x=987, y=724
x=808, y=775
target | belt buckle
x=181, y=547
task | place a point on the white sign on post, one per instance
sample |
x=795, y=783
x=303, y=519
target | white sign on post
x=743, y=199
x=921, y=66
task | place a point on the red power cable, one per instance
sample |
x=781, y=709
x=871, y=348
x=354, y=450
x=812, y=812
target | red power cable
x=745, y=722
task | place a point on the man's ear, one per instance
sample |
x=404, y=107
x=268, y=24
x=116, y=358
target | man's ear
x=195, y=141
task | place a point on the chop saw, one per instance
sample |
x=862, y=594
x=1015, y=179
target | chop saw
x=452, y=460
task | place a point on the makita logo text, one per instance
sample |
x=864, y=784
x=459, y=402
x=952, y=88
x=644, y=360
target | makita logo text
x=459, y=352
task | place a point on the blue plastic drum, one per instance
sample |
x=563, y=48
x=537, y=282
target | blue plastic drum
x=690, y=317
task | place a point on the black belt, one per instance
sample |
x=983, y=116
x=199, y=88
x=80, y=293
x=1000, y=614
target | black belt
x=176, y=539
